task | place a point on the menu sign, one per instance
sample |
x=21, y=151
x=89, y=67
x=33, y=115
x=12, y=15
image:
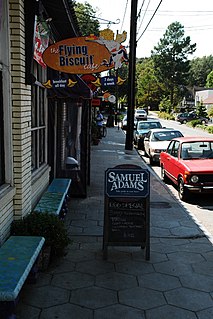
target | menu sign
x=127, y=221
x=126, y=218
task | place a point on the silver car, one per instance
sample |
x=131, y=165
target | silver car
x=140, y=114
x=157, y=141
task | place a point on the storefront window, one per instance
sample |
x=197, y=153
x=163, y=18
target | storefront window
x=39, y=129
x=73, y=135
x=2, y=164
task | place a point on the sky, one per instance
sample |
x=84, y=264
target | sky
x=196, y=17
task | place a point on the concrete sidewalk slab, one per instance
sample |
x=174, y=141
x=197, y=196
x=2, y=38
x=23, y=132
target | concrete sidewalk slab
x=176, y=283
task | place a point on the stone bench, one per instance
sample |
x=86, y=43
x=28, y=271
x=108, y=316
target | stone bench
x=18, y=256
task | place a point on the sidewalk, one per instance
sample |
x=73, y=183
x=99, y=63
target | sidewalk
x=176, y=283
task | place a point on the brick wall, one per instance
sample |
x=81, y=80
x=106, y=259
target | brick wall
x=21, y=111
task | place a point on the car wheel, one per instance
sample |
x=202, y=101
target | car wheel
x=203, y=122
x=151, y=161
x=184, y=121
x=182, y=191
x=164, y=177
x=140, y=145
x=145, y=153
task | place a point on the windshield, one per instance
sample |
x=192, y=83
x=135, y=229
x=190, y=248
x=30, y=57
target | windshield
x=140, y=112
x=148, y=125
x=166, y=136
x=197, y=150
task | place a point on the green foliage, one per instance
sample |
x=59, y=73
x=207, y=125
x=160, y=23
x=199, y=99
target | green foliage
x=194, y=123
x=121, y=90
x=199, y=70
x=149, y=89
x=201, y=110
x=210, y=112
x=170, y=58
x=209, y=129
x=166, y=116
x=209, y=80
x=87, y=21
x=43, y=224
x=165, y=105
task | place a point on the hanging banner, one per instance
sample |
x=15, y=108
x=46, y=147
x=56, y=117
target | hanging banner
x=59, y=83
x=41, y=41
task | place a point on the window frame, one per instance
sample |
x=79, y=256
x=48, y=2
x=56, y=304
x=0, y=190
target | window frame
x=6, y=99
x=39, y=129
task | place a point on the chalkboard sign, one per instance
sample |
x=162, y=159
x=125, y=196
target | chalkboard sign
x=126, y=216
x=127, y=221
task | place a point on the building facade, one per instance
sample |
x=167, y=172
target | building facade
x=205, y=97
x=27, y=140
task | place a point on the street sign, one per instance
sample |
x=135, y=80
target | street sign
x=108, y=81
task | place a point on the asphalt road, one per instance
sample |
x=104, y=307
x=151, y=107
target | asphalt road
x=200, y=207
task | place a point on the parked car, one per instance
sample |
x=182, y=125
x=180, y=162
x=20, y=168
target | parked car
x=140, y=114
x=124, y=123
x=187, y=117
x=157, y=141
x=142, y=129
x=188, y=163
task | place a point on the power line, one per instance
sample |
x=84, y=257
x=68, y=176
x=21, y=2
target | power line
x=97, y=18
x=150, y=20
x=191, y=28
x=143, y=15
x=188, y=13
x=124, y=16
x=139, y=13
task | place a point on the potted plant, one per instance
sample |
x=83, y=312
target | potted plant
x=95, y=133
x=46, y=225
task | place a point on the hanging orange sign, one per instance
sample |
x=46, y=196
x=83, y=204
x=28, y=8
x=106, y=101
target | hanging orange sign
x=77, y=56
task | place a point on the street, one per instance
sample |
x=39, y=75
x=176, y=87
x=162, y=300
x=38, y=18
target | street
x=199, y=207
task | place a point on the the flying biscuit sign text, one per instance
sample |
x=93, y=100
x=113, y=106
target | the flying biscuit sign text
x=77, y=56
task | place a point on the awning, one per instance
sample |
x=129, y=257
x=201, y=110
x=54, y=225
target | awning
x=78, y=90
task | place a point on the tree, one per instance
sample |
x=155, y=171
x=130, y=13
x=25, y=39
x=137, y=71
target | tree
x=149, y=89
x=201, y=110
x=199, y=70
x=170, y=58
x=165, y=105
x=210, y=113
x=87, y=21
x=209, y=80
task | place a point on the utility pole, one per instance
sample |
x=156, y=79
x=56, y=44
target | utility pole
x=131, y=77
x=116, y=95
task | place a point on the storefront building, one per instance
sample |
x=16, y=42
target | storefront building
x=41, y=129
